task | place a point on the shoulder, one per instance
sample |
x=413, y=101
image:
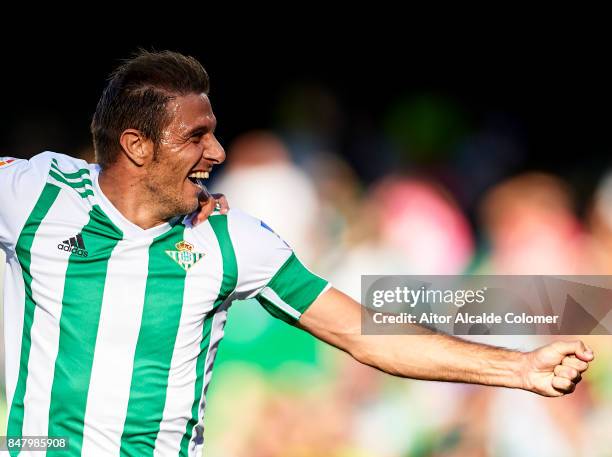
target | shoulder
x=42, y=162
x=242, y=228
x=240, y=222
x=234, y=223
x=21, y=174
x=251, y=235
x=38, y=162
x=22, y=184
x=68, y=164
x=234, y=218
x=69, y=173
x=237, y=217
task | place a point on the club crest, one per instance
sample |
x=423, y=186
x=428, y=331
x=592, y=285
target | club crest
x=185, y=255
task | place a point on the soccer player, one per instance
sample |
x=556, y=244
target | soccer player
x=115, y=303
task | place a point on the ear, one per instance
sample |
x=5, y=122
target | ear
x=136, y=147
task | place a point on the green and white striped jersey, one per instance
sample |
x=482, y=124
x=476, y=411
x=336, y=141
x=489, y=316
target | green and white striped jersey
x=112, y=330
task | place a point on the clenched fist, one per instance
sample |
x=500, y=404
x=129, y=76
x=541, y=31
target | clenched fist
x=555, y=369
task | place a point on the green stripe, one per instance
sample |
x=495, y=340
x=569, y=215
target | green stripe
x=81, y=305
x=230, y=278
x=74, y=175
x=76, y=185
x=84, y=194
x=24, y=255
x=160, y=322
x=295, y=285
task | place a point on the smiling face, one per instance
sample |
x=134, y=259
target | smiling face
x=187, y=148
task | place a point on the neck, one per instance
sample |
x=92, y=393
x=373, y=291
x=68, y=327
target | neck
x=131, y=198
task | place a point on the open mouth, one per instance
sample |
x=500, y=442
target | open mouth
x=198, y=178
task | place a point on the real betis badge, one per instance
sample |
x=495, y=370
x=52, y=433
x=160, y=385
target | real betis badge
x=184, y=255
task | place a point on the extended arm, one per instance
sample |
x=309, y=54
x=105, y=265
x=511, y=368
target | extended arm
x=553, y=370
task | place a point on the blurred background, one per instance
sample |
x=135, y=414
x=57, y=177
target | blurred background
x=400, y=157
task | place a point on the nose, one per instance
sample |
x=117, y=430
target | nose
x=214, y=152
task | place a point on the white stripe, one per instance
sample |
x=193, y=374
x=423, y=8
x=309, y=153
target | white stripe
x=48, y=269
x=111, y=373
x=202, y=284
x=14, y=298
x=216, y=335
x=273, y=298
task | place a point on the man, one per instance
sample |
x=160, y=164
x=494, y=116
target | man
x=115, y=302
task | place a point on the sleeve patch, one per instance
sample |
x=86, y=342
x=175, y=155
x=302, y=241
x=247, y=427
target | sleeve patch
x=7, y=161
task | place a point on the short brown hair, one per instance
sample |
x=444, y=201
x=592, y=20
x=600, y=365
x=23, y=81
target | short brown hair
x=136, y=97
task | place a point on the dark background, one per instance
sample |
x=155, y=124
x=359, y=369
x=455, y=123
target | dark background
x=555, y=93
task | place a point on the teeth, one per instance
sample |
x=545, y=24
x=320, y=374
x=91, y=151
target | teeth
x=200, y=175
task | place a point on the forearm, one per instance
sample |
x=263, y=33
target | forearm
x=440, y=357
x=336, y=319
x=552, y=370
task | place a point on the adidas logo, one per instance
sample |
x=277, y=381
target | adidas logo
x=75, y=245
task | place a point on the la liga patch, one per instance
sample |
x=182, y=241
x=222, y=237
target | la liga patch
x=6, y=161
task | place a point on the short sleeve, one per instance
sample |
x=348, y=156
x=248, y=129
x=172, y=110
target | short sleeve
x=269, y=271
x=21, y=182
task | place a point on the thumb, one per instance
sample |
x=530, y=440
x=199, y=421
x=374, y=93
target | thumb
x=207, y=206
